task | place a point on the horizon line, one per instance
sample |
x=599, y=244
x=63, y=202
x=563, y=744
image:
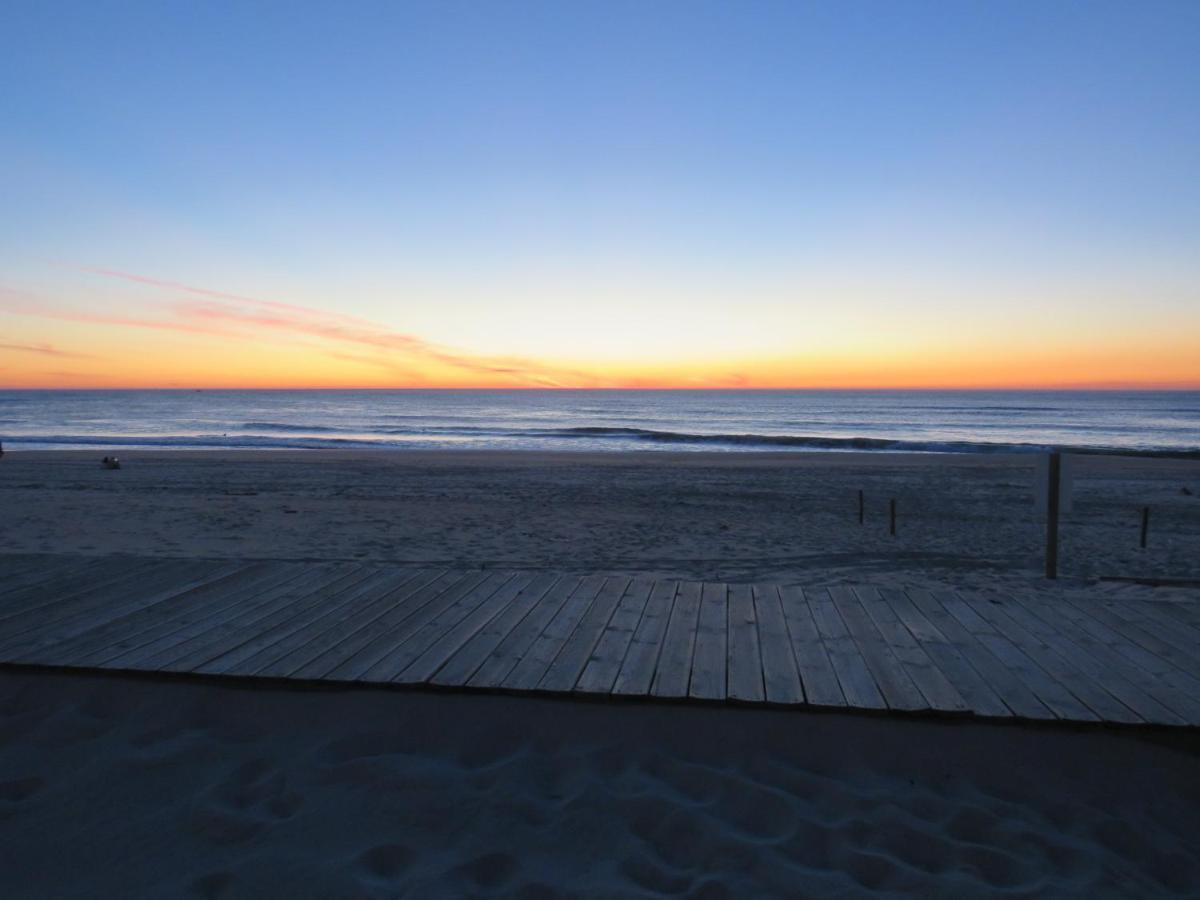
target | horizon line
x=1163, y=386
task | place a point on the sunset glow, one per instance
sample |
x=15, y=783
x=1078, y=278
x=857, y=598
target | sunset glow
x=798, y=197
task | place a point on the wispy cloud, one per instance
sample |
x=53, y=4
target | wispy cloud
x=203, y=292
x=27, y=304
x=226, y=314
x=388, y=363
x=42, y=350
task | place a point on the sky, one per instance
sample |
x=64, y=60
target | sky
x=600, y=194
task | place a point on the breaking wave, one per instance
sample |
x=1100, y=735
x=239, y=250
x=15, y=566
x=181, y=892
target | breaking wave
x=300, y=437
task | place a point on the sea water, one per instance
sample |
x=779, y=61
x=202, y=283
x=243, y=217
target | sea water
x=1152, y=422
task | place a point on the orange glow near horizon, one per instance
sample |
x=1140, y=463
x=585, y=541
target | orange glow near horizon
x=212, y=363
x=192, y=337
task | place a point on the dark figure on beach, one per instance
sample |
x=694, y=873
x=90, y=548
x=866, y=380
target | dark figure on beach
x=110, y=462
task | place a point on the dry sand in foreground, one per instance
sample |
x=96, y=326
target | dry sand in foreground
x=120, y=787
x=966, y=520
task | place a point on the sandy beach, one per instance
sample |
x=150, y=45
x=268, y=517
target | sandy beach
x=116, y=787
x=966, y=519
x=142, y=787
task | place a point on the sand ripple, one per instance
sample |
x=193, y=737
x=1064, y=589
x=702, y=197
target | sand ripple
x=119, y=787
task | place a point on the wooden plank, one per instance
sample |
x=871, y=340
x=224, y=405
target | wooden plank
x=1130, y=684
x=1015, y=692
x=378, y=589
x=465, y=661
x=78, y=571
x=40, y=604
x=414, y=644
x=935, y=687
x=600, y=673
x=888, y=673
x=744, y=665
x=54, y=589
x=346, y=654
x=43, y=574
x=853, y=674
x=1124, y=621
x=1057, y=698
x=224, y=645
x=818, y=678
x=322, y=635
x=1179, y=640
x=712, y=635
x=239, y=605
x=501, y=661
x=452, y=639
x=305, y=622
x=891, y=677
x=394, y=631
x=1185, y=611
x=69, y=620
x=529, y=671
x=1169, y=642
x=1110, y=660
x=1057, y=665
x=208, y=640
x=253, y=655
x=674, y=670
x=34, y=603
x=403, y=643
x=1177, y=688
x=949, y=654
x=1173, y=615
x=641, y=658
x=568, y=664
x=144, y=626
x=781, y=678
x=15, y=564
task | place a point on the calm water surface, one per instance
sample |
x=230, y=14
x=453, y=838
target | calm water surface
x=974, y=421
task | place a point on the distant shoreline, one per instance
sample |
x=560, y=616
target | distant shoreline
x=648, y=442
x=1102, y=389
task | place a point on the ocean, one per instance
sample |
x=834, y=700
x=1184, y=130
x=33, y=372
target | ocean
x=1143, y=422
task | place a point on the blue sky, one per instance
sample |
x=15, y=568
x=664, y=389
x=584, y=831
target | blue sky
x=506, y=177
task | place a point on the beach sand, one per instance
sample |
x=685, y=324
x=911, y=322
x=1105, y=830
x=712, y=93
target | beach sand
x=967, y=520
x=120, y=787
x=132, y=787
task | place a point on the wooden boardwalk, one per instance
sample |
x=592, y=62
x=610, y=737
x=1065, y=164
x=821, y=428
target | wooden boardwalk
x=880, y=649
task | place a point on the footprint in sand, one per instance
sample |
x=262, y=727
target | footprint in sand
x=213, y=885
x=647, y=875
x=156, y=736
x=385, y=864
x=254, y=797
x=15, y=793
x=67, y=726
x=18, y=790
x=490, y=870
x=169, y=745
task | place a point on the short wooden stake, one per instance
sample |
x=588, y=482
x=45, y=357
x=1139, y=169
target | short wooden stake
x=860, y=507
x=892, y=523
x=1145, y=524
x=1052, y=483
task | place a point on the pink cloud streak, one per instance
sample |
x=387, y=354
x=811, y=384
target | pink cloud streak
x=230, y=315
x=43, y=350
